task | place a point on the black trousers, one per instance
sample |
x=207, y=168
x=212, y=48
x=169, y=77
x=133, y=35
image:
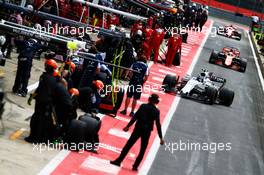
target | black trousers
x=136, y=134
x=22, y=75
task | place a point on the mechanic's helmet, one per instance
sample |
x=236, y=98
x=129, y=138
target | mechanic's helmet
x=74, y=92
x=194, y=4
x=56, y=74
x=51, y=64
x=70, y=65
x=173, y=11
x=98, y=84
x=30, y=7
x=139, y=32
x=2, y=40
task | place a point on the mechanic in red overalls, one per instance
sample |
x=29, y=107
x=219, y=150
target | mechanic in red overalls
x=150, y=22
x=174, y=46
x=155, y=42
x=146, y=43
x=136, y=26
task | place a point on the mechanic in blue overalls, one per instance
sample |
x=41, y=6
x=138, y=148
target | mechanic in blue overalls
x=136, y=82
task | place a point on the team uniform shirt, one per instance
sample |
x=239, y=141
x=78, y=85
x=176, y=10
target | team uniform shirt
x=138, y=78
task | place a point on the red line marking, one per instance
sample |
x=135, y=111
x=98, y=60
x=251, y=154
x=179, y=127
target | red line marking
x=72, y=163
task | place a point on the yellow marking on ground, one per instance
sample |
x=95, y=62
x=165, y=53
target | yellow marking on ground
x=17, y=134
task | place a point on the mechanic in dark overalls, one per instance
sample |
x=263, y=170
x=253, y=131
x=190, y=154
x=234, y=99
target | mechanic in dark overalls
x=28, y=50
x=145, y=117
x=42, y=123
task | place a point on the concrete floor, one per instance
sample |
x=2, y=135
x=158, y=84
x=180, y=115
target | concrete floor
x=16, y=155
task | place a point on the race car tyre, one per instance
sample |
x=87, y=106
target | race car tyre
x=184, y=37
x=177, y=59
x=226, y=96
x=213, y=57
x=169, y=82
x=211, y=94
x=218, y=29
x=239, y=36
x=243, y=66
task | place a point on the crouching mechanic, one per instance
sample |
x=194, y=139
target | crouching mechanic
x=136, y=82
x=144, y=118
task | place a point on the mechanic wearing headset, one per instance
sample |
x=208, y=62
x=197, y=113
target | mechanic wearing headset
x=144, y=118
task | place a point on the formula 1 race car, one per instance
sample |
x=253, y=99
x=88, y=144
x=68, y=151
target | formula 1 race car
x=205, y=87
x=229, y=31
x=229, y=57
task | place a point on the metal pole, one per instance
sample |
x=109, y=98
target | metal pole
x=92, y=58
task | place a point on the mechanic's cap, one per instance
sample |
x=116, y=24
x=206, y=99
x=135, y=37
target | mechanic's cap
x=51, y=63
x=154, y=98
x=74, y=92
x=98, y=84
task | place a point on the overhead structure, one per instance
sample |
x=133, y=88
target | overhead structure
x=144, y=5
x=21, y=30
x=122, y=13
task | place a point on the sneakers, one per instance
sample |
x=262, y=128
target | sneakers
x=115, y=163
x=124, y=112
x=131, y=114
x=22, y=94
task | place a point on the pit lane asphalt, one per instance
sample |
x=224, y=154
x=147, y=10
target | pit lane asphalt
x=194, y=122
